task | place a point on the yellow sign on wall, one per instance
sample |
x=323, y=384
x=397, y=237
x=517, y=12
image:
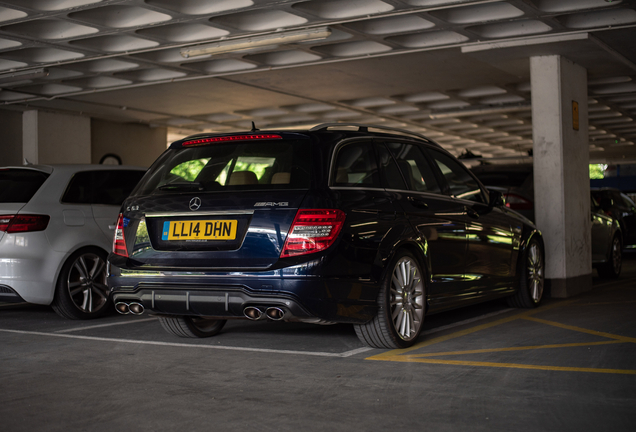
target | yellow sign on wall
x=575, y=115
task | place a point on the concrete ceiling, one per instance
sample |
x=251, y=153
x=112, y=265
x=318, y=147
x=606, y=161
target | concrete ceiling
x=454, y=70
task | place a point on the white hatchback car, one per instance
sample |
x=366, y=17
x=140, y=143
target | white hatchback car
x=56, y=227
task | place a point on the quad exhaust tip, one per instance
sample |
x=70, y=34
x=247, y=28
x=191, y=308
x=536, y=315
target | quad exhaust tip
x=129, y=308
x=122, y=308
x=136, y=308
x=275, y=314
x=254, y=313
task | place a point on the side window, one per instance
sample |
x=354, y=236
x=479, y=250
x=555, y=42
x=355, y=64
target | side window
x=461, y=184
x=356, y=165
x=112, y=187
x=79, y=190
x=101, y=187
x=416, y=170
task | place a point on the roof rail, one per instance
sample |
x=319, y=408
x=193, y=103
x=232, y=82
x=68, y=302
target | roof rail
x=365, y=128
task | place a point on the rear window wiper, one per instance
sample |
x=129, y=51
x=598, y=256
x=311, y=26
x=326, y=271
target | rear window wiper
x=182, y=186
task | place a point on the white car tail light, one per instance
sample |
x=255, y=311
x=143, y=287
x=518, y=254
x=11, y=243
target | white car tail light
x=23, y=223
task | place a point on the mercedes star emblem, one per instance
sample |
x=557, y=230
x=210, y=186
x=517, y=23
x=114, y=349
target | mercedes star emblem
x=195, y=203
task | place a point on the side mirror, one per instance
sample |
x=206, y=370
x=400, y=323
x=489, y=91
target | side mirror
x=496, y=198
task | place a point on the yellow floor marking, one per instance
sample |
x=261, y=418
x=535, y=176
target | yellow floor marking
x=523, y=348
x=582, y=330
x=393, y=353
x=404, y=356
x=509, y=365
x=399, y=352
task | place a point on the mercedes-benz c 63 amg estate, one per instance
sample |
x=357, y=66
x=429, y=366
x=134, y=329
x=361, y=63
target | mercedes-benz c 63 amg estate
x=337, y=224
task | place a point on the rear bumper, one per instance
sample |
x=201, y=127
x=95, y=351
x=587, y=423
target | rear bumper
x=30, y=267
x=8, y=295
x=220, y=302
x=226, y=295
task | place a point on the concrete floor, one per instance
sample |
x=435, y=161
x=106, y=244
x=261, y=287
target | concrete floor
x=569, y=365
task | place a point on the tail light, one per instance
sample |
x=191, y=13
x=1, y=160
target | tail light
x=313, y=231
x=517, y=202
x=119, y=242
x=23, y=223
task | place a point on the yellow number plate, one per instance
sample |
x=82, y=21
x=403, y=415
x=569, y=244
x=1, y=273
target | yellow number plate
x=199, y=230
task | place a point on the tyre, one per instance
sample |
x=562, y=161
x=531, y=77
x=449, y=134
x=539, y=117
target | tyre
x=532, y=277
x=612, y=268
x=191, y=327
x=81, y=291
x=401, y=306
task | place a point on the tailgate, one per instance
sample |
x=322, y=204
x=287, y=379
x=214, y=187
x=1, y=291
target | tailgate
x=226, y=232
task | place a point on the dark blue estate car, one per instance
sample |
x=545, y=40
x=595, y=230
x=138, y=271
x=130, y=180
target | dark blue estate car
x=337, y=224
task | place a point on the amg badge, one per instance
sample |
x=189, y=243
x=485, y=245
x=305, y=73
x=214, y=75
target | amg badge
x=271, y=204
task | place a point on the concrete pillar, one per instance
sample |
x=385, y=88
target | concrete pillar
x=561, y=173
x=52, y=138
x=11, y=138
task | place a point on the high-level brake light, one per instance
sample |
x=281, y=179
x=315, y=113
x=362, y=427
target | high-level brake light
x=228, y=138
x=23, y=223
x=313, y=230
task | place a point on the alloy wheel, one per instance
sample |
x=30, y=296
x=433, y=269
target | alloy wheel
x=87, y=283
x=535, y=272
x=407, y=298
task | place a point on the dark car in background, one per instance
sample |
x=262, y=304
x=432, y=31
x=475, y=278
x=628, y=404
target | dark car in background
x=516, y=183
x=336, y=224
x=621, y=207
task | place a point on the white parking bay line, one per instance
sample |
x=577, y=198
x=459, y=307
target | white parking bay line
x=355, y=351
x=105, y=325
x=184, y=345
x=62, y=334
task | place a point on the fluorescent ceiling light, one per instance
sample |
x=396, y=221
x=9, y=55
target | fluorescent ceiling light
x=256, y=41
x=23, y=75
x=477, y=110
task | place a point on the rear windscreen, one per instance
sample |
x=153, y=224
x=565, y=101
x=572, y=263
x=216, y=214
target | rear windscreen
x=19, y=185
x=231, y=167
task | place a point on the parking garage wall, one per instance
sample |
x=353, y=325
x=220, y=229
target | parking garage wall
x=134, y=144
x=11, y=139
x=55, y=138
